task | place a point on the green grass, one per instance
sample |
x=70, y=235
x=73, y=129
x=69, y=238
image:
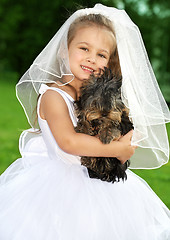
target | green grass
x=13, y=122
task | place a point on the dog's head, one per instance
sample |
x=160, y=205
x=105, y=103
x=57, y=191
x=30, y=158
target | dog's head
x=100, y=97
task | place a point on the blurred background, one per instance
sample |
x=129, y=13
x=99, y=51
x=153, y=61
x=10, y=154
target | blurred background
x=25, y=29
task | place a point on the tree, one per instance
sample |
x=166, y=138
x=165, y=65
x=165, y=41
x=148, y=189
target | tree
x=27, y=26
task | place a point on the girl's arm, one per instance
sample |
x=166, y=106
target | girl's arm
x=54, y=110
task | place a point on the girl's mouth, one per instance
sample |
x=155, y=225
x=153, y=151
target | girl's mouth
x=88, y=69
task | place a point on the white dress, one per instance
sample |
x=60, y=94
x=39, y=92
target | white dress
x=48, y=195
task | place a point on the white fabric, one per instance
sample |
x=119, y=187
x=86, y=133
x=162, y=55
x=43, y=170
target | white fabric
x=48, y=195
x=140, y=91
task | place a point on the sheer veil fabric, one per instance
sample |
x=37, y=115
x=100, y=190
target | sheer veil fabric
x=140, y=91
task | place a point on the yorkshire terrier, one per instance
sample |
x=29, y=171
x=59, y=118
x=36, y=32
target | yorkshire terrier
x=101, y=113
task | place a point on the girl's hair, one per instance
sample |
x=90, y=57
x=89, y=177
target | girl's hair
x=99, y=21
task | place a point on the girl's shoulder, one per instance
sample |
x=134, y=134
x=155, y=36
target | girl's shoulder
x=48, y=102
x=55, y=96
x=67, y=89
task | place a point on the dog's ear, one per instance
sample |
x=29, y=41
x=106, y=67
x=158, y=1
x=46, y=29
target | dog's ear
x=104, y=75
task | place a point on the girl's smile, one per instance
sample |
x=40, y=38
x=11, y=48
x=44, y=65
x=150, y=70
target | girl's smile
x=86, y=54
x=87, y=69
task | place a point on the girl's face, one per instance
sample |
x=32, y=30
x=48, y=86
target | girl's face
x=90, y=51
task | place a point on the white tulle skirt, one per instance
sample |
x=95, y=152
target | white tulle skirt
x=45, y=199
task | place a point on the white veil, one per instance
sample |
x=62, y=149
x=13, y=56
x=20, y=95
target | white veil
x=140, y=90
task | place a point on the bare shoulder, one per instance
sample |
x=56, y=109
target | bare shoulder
x=52, y=103
x=50, y=96
x=68, y=89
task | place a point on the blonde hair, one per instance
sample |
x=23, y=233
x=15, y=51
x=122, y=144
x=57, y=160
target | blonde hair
x=100, y=21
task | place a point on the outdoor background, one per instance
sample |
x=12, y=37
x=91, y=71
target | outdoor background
x=26, y=26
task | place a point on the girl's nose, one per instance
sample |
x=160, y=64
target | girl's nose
x=91, y=59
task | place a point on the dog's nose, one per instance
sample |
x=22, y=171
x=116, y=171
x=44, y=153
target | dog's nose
x=104, y=114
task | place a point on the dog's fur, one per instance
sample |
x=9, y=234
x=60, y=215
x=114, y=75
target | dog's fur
x=101, y=113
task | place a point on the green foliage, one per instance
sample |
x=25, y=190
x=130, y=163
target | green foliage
x=152, y=18
x=27, y=26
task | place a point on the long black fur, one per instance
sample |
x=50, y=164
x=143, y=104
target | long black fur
x=101, y=113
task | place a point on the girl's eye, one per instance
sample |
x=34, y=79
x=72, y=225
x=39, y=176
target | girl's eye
x=101, y=55
x=84, y=49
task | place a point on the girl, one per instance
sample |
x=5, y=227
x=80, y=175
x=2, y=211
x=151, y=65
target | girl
x=47, y=194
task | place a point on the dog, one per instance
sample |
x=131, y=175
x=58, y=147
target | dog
x=101, y=113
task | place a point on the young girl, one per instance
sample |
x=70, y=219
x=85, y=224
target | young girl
x=47, y=194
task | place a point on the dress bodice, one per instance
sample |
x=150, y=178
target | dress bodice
x=53, y=149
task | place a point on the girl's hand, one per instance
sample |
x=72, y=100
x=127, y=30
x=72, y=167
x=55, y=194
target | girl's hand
x=127, y=149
